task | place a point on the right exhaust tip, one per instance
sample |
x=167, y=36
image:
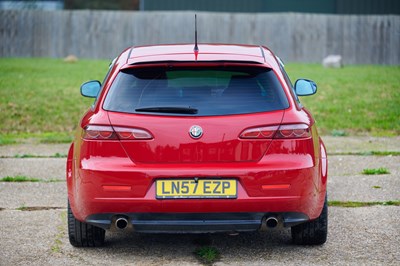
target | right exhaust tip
x=121, y=223
x=271, y=222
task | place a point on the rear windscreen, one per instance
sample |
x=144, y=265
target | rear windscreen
x=197, y=91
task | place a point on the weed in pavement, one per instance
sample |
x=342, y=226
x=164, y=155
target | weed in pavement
x=375, y=171
x=355, y=204
x=207, y=254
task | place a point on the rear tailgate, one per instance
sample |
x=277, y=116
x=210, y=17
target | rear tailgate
x=172, y=142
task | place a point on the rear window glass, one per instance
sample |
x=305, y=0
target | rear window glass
x=196, y=91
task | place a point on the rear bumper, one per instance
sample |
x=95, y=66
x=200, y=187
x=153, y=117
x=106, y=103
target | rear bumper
x=195, y=222
x=94, y=202
x=99, y=188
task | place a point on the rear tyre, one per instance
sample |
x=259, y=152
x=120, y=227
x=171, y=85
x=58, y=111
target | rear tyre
x=83, y=234
x=313, y=232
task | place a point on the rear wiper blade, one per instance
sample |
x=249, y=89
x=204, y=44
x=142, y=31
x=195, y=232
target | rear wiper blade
x=165, y=109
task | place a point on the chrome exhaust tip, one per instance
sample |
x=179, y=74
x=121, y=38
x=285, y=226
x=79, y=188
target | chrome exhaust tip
x=121, y=223
x=271, y=222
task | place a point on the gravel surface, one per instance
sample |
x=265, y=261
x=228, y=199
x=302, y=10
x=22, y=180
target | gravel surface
x=348, y=165
x=357, y=236
x=346, y=183
x=42, y=168
x=361, y=144
x=15, y=195
x=34, y=149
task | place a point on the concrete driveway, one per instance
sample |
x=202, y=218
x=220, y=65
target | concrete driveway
x=33, y=218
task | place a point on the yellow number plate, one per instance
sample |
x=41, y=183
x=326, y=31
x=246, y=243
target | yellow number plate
x=190, y=188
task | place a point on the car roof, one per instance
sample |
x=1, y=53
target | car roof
x=207, y=53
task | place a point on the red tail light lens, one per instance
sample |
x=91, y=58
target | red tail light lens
x=293, y=131
x=115, y=133
x=277, y=132
x=259, y=133
x=132, y=133
x=99, y=132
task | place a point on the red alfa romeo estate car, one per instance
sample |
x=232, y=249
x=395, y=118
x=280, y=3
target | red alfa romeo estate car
x=204, y=140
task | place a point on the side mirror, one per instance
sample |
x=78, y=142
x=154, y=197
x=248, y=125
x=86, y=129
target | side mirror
x=91, y=88
x=305, y=87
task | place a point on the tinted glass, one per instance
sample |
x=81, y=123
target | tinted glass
x=209, y=91
x=289, y=82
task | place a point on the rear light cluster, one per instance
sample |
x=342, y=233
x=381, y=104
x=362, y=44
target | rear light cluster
x=115, y=133
x=259, y=132
x=293, y=131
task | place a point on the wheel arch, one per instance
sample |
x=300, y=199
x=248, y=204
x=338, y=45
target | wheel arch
x=69, y=175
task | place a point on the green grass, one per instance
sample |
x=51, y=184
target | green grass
x=207, y=254
x=40, y=98
x=22, y=208
x=355, y=204
x=56, y=155
x=383, y=153
x=375, y=171
x=338, y=133
x=354, y=99
x=20, y=178
x=23, y=156
x=7, y=141
x=57, y=245
x=44, y=137
x=368, y=153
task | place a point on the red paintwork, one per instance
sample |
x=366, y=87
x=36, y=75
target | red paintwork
x=220, y=143
x=280, y=175
x=207, y=52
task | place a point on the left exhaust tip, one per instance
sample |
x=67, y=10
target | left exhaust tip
x=271, y=222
